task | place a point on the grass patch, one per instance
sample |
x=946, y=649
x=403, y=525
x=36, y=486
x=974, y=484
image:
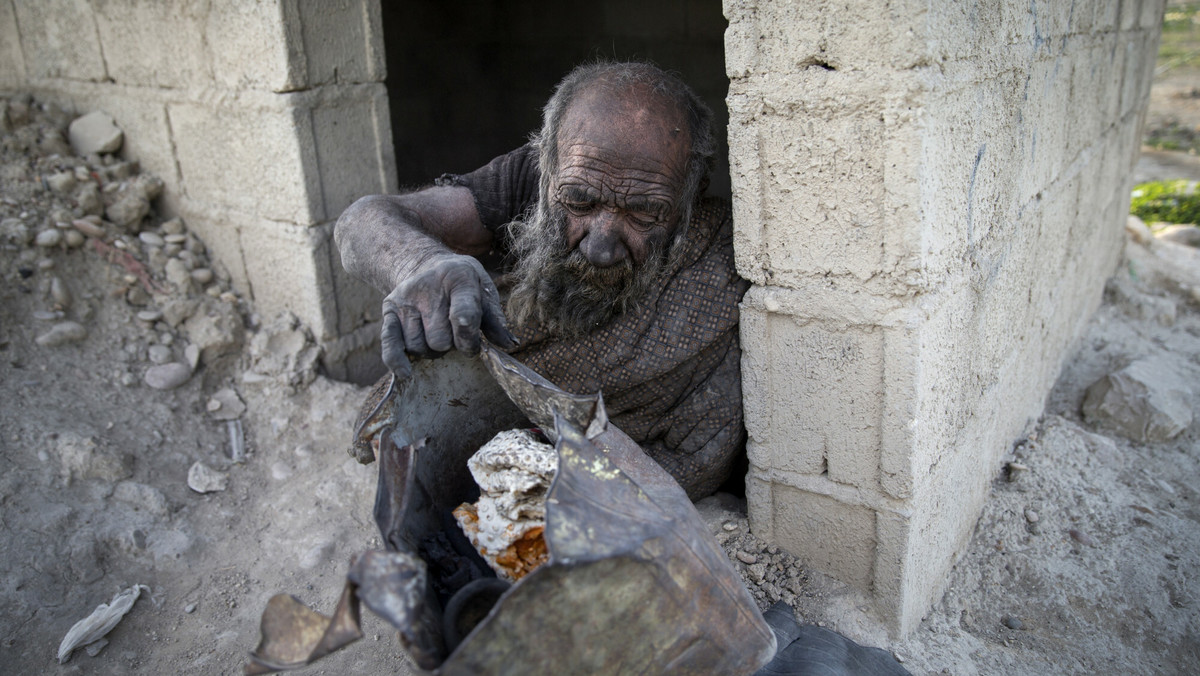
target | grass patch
x=1180, y=44
x=1166, y=202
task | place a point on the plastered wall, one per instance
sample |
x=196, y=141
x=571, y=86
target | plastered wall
x=265, y=120
x=928, y=197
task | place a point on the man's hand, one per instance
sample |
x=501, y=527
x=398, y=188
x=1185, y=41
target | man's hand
x=445, y=304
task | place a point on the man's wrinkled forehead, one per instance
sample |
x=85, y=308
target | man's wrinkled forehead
x=630, y=121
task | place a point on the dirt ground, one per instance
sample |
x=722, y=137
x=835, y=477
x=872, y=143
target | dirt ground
x=1085, y=562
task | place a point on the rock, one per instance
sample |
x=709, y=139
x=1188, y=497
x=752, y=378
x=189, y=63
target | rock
x=62, y=334
x=192, y=354
x=137, y=296
x=89, y=200
x=88, y=228
x=128, y=211
x=147, y=186
x=167, y=376
x=62, y=182
x=204, y=479
x=142, y=497
x=14, y=230
x=60, y=294
x=284, y=350
x=95, y=132
x=173, y=227
x=48, y=238
x=176, y=311
x=159, y=354
x=178, y=275
x=151, y=238
x=1011, y=622
x=747, y=558
x=150, y=316
x=216, y=329
x=228, y=406
x=73, y=238
x=81, y=457
x=1031, y=516
x=1145, y=401
x=202, y=276
x=1188, y=235
x=189, y=608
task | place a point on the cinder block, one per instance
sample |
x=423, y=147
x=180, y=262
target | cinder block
x=257, y=160
x=1087, y=99
x=354, y=148
x=1135, y=55
x=343, y=42
x=253, y=47
x=821, y=409
x=154, y=44
x=829, y=536
x=288, y=268
x=59, y=40
x=12, y=61
x=357, y=303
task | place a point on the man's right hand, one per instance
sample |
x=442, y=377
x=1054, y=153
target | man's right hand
x=446, y=303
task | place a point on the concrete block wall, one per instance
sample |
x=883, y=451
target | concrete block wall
x=265, y=120
x=928, y=197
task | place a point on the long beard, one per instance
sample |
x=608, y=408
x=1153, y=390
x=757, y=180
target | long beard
x=558, y=289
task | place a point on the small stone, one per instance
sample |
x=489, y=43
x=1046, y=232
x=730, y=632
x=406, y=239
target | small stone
x=214, y=291
x=174, y=239
x=59, y=294
x=89, y=200
x=62, y=182
x=47, y=315
x=95, y=132
x=166, y=338
x=228, y=405
x=192, y=354
x=73, y=238
x=746, y=557
x=729, y=526
x=137, y=296
x=128, y=211
x=167, y=376
x=15, y=231
x=62, y=334
x=51, y=237
x=1081, y=537
x=173, y=226
x=189, y=608
x=151, y=238
x=179, y=275
x=204, y=479
x=159, y=354
x=1145, y=401
x=1011, y=622
x=1031, y=516
x=45, y=264
x=150, y=316
x=202, y=276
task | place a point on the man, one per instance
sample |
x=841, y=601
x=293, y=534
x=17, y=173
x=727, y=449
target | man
x=617, y=276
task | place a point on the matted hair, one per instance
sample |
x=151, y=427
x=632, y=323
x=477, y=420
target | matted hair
x=620, y=77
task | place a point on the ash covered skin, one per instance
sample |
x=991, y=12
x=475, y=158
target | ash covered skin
x=514, y=471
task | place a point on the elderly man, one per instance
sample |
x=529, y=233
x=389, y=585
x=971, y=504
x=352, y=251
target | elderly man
x=611, y=270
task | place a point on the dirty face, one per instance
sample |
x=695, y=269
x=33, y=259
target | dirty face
x=598, y=240
x=621, y=174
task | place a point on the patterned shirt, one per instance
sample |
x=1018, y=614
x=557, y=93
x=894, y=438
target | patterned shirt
x=669, y=370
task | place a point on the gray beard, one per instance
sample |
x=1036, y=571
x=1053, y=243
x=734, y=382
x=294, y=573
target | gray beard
x=558, y=289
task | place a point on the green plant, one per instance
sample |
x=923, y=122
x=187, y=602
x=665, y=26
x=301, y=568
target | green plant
x=1166, y=201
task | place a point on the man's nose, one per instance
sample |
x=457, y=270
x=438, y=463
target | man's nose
x=602, y=244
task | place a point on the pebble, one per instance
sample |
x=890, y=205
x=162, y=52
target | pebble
x=746, y=558
x=159, y=354
x=204, y=479
x=729, y=526
x=192, y=354
x=189, y=608
x=150, y=316
x=62, y=334
x=47, y=315
x=60, y=294
x=50, y=237
x=225, y=404
x=174, y=239
x=73, y=238
x=1031, y=516
x=45, y=264
x=1011, y=622
x=167, y=376
x=173, y=227
x=1081, y=537
x=202, y=275
x=151, y=238
x=62, y=182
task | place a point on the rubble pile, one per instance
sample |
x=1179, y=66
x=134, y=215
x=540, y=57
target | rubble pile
x=77, y=198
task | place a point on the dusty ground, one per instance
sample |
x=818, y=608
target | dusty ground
x=95, y=494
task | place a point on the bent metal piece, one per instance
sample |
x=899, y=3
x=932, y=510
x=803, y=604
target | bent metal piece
x=634, y=582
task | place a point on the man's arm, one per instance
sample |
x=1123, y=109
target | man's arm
x=418, y=249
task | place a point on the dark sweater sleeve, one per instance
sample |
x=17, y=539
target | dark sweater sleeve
x=503, y=188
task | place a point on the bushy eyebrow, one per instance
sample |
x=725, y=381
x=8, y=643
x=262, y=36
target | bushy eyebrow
x=573, y=193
